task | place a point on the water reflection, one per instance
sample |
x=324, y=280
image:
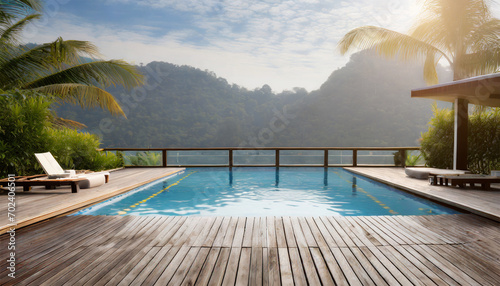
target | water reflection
x=354, y=186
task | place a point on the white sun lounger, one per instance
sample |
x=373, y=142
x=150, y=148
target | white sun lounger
x=423, y=173
x=54, y=171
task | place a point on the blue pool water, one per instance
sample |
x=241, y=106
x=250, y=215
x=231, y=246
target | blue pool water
x=267, y=192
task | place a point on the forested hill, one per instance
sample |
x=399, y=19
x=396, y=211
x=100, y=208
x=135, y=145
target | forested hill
x=365, y=103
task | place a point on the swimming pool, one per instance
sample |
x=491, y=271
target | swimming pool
x=253, y=191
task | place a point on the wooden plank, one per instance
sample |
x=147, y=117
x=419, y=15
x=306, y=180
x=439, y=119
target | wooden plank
x=143, y=268
x=183, y=253
x=297, y=231
x=309, y=268
x=285, y=267
x=220, y=267
x=256, y=267
x=311, y=242
x=265, y=267
x=274, y=267
x=189, y=266
x=299, y=276
x=366, y=265
x=221, y=233
x=232, y=267
x=150, y=277
x=228, y=238
x=240, y=231
x=271, y=233
x=325, y=233
x=371, y=234
x=438, y=271
x=249, y=228
x=243, y=276
x=414, y=275
x=374, y=253
x=210, y=237
x=280, y=232
x=354, y=273
x=134, y=266
x=208, y=266
x=322, y=268
x=289, y=232
x=202, y=235
x=423, y=274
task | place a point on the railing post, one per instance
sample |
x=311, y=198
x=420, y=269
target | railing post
x=354, y=157
x=230, y=158
x=277, y=160
x=403, y=157
x=164, y=155
x=325, y=159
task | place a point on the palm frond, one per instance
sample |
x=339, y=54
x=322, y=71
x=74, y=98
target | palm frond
x=69, y=52
x=387, y=43
x=430, y=73
x=20, y=7
x=484, y=36
x=59, y=122
x=484, y=62
x=18, y=66
x=105, y=73
x=12, y=33
x=84, y=95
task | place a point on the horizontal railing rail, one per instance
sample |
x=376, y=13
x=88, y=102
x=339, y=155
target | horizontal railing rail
x=271, y=156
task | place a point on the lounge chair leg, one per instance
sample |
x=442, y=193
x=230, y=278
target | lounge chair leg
x=74, y=187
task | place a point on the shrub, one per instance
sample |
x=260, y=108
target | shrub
x=483, y=140
x=26, y=129
x=77, y=150
x=143, y=159
x=24, y=122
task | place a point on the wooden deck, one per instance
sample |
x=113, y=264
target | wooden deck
x=39, y=203
x=482, y=202
x=397, y=250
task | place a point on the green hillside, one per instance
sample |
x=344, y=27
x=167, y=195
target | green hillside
x=365, y=103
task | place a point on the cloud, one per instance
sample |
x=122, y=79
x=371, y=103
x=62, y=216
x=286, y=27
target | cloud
x=251, y=43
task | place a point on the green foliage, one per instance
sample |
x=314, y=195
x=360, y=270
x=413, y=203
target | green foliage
x=414, y=159
x=25, y=129
x=143, y=159
x=76, y=150
x=437, y=142
x=24, y=123
x=58, y=68
x=483, y=140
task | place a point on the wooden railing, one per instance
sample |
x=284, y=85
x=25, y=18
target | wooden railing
x=310, y=154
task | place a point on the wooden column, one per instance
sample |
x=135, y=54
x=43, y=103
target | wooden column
x=460, y=134
x=277, y=159
x=325, y=159
x=354, y=158
x=164, y=156
x=230, y=158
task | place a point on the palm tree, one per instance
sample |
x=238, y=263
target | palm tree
x=58, y=68
x=462, y=32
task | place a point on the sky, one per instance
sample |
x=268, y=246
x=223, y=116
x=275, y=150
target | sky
x=282, y=43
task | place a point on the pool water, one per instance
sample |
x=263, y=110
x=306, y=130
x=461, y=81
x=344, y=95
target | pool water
x=252, y=191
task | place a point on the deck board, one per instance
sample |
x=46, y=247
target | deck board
x=111, y=250
x=367, y=250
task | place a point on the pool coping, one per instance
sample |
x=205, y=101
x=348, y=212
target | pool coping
x=466, y=205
